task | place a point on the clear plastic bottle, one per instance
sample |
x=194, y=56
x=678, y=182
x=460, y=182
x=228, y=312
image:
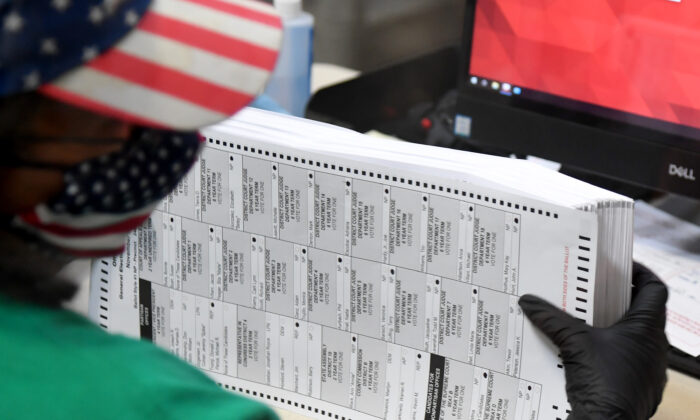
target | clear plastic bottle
x=290, y=84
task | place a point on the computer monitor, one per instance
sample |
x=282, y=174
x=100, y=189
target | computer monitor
x=610, y=87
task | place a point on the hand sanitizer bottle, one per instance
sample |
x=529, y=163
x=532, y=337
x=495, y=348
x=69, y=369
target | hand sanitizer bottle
x=290, y=84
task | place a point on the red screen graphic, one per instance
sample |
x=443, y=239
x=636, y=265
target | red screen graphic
x=637, y=56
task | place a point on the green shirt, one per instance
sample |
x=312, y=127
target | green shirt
x=55, y=364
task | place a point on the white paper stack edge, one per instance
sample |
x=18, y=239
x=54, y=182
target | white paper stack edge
x=614, y=212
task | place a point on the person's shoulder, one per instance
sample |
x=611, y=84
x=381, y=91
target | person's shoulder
x=81, y=371
x=166, y=387
x=169, y=388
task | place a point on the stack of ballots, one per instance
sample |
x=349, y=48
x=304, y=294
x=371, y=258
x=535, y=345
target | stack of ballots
x=344, y=276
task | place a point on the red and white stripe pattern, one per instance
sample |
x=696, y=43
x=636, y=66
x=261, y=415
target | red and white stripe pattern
x=90, y=235
x=185, y=65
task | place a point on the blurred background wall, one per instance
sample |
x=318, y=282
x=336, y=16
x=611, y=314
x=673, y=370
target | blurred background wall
x=370, y=34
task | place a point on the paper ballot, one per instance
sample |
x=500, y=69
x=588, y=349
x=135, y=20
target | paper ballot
x=670, y=248
x=343, y=276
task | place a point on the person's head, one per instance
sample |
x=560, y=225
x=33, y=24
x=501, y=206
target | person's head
x=99, y=106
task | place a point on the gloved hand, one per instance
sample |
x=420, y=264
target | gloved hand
x=617, y=372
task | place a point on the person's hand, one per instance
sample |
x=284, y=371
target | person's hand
x=617, y=372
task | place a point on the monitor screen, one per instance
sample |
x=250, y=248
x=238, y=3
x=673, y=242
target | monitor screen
x=633, y=61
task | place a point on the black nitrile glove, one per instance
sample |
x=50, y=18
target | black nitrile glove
x=617, y=372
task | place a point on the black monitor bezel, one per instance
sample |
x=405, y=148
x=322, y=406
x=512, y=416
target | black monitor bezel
x=594, y=116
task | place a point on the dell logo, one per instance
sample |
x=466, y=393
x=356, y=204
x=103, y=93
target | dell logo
x=681, y=172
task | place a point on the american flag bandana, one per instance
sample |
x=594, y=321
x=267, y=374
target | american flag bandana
x=171, y=65
x=106, y=197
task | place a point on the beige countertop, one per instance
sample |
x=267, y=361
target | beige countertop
x=681, y=399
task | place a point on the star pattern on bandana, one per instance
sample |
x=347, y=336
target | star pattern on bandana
x=110, y=6
x=96, y=15
x=32, y=80
x=49, y=46
x=123, y=181
x=90, y=52
x=45, y=39
x=131, y=18
x=13, y=22
x=61, y=5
